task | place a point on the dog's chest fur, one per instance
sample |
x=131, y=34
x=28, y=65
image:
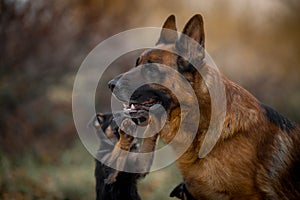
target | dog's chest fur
x=224, y=173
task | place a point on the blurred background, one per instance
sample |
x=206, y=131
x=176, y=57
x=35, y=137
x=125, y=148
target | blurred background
x=43, y=43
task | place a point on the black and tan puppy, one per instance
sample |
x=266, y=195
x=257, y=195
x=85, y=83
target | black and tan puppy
x=257, y=155
x=181, y=192
x=115, y=145
x=125, y=184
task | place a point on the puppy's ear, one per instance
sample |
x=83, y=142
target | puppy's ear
x=178, y=191
x=168, y=34
x=191, y=43
x=100, y=117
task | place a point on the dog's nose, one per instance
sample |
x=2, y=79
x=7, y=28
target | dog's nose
x=112, y=84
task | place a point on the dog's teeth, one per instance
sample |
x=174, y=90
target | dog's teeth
x=126, y=106
x=132, y=107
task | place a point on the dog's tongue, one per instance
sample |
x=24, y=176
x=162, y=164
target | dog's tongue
x=150, y=101
x=145, y=105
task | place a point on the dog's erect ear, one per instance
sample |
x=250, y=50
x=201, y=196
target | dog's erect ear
x=168, y=34
x=191, y=42
x=195, y=29
x=100, y=118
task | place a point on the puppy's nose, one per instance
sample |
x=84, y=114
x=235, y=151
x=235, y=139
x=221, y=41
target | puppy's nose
x=112, y=84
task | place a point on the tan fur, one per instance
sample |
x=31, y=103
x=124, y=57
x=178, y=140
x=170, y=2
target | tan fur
x=121, y=152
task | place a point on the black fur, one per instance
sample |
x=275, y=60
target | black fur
x=181, y=192
x=137, y=61
x=125, y=186
x=276, y=118
x=149, y=91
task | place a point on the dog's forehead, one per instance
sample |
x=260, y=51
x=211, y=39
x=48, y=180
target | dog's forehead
x=159, y=53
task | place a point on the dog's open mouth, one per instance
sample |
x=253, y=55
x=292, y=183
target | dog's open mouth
x=135, y=106
x=139, y=110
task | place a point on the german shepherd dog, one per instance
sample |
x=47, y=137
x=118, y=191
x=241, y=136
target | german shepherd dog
x=258, y=153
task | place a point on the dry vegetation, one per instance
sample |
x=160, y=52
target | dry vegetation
x=42, y=44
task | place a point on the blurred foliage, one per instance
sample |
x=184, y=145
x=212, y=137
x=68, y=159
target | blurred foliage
x=42, y=44
x=70, y=178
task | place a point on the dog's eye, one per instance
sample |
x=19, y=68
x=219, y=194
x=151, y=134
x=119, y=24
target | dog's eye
x=150, y=71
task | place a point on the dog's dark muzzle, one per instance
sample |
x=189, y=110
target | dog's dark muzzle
x=119, y=89
x=112, y=83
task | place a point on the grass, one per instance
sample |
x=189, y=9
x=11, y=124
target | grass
x=71, y=177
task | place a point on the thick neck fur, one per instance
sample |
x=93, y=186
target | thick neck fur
x=242, y=110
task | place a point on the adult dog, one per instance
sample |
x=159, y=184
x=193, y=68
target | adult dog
x=258, y=153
